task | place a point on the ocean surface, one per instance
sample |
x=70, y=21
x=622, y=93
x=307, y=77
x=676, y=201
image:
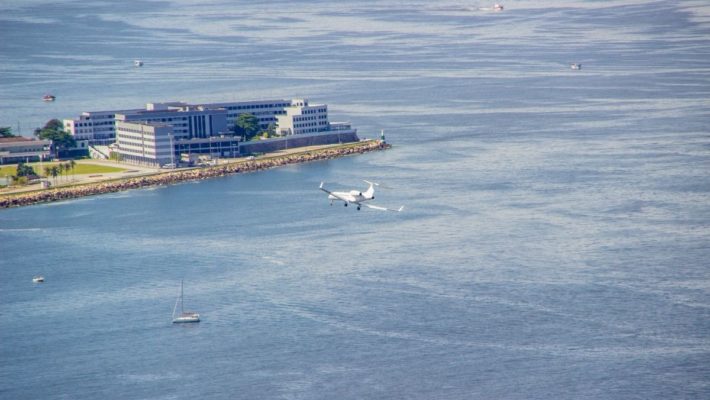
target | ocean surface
x=555, y=242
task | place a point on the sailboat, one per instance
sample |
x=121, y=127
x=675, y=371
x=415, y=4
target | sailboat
x=184, y=316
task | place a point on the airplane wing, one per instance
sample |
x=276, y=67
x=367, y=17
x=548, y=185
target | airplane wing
x=381, y=208
x=324, y=189
x=334, y=194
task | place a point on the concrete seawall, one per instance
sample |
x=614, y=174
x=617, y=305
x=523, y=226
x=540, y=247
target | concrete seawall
x=72, y=192
x=301, y=140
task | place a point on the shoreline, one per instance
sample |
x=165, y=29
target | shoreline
x=166, y=178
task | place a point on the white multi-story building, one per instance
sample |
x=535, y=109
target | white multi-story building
x=159, y=134
x=265, y=110
x=187, y=121
x=139, y=134
x=97, y=127
x=301, y=117
x=145, y=143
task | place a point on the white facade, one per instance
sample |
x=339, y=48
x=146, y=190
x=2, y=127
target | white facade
x=99, y=128
x=144, y=143
x=95, y=126
x=292, y=117
x=301, y=117
x=187, y=121
x=265, y=110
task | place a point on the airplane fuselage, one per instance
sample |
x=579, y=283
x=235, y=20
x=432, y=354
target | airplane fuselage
x=352, y=196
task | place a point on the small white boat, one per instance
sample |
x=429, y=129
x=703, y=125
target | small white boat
x=498, y=7
x=38, y=279
x=48, y=97
x=184, y=316
x=137, y=63
x=575, y=66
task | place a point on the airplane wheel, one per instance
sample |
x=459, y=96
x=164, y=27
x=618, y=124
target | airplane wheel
x=346, y=204
x=358, y=208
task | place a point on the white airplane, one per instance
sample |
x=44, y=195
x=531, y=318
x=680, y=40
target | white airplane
x=357, y=197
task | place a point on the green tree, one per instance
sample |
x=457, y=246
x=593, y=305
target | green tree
x=53, y=125
x=24, y=170
x=247, y=125
x=61, y=167
x=54, y=130
x=6, y=131
x=269, y=132
x=72, y=165
x=67, y=168
x=54, y=171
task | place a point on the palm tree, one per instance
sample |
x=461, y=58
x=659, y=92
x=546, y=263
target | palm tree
x=47, y=172
x=54, y=171
x=61, y=168
x=72, y=165
x=67, y=167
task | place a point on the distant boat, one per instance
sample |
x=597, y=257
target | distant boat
x=38, y=279
x=185, y=316
x=496, y=7
x=137, y=63
x=575, y=66
x=49, y=97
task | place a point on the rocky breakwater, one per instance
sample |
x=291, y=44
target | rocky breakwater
x=72, y=192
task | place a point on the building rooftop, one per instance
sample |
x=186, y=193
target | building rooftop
x=15, y=139
x=148, y=123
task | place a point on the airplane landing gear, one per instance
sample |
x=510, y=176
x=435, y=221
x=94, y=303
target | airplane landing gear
x=358, y=208
x=346, y=204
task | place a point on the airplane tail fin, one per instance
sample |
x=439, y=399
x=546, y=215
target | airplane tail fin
x=370, y=192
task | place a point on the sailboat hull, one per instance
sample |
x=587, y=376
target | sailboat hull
x=186, y=318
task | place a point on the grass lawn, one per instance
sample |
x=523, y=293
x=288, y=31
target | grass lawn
x=79, y=168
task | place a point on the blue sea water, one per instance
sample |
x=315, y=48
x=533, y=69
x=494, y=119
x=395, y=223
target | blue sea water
x=555, y=240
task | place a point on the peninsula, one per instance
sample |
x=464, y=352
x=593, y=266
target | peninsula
x=250, y=164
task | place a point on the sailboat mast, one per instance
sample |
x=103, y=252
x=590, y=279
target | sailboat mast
x=182, y=300
x=175, y=307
